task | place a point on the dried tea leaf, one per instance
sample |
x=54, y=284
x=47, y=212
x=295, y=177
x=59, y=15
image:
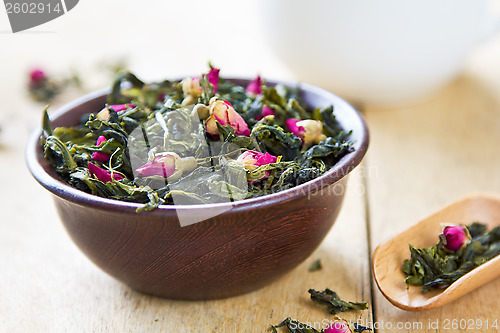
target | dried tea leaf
x=46, y=122
x=333, y=301
x=277, y=142
x=327, y=117
x=294, y=326
x=316, y=266
x=332, y=147
x=477, y=229
x=227, y=134
x=360, y=328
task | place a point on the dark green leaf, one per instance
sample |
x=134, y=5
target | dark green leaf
x=294, y=326
x=277, y=142
x=333, y=301
x=316, y=266
x=359, y=328
x=46, y=122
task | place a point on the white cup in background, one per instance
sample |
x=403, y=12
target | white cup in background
x=384, y=52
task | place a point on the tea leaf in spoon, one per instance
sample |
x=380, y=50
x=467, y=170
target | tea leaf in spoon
x=437, y=267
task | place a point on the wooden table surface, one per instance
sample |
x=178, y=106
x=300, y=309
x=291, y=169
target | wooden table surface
x=421, y=158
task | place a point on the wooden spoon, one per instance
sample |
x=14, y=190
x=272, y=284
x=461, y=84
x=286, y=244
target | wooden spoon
x=388, y=257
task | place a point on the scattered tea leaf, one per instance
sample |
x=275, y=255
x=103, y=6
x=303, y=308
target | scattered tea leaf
x=360, y=328
x=294, y=326
x=44, y=88
x=315, y=266
x=333, y=301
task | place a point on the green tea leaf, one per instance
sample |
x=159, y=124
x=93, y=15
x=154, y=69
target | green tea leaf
x=294, y=326
x=274, y=140
x=46, y=122
x=333, y=301
x=360, y=328
x=316, y=266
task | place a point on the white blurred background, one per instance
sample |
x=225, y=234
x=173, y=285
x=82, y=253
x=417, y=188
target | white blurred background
x=157, y=38
x=278, y=39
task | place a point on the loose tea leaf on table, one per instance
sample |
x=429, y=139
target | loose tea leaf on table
x=333, y=301
x=200, y=140
x=316, y=266
x=44, y=88
x=360, y=328
x=294, y=326
x=438, y=267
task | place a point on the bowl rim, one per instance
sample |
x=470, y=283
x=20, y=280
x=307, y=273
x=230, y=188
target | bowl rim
x=339, y=171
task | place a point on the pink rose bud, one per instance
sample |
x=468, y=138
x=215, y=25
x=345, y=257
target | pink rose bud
x=266, y=111
x=252, y=159
x=339, y=326
x=102, y=174
x=100, y=156
x=454, y=237
x=310, y=131
x=225, y=114
x=121, y=107
x=213, y=78
x=168, y=165
x=255, y=87
x=191, y=86
x=37, y=75
x=104, y=113
x=161, y=166
x=294, y=128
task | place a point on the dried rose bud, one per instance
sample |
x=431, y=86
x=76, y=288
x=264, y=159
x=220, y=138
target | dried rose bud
x=213, y=78
x=121, y=107
x=167, y=165
x=255, y=87
x=100, y=156
x=37, y=75
x=224, y=113
x=202, y=111
x=252, y=159
x=191, y=86
x=266, y=111
x=104, y=113
x=103, y=175
x=255, y=158
x=310, y=131
x=454, y=237
x=339, y=326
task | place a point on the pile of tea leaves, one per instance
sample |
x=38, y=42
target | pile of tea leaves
x=196, y=141
x=438, y=266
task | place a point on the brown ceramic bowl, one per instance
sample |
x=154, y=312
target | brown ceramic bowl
x=238, y=251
